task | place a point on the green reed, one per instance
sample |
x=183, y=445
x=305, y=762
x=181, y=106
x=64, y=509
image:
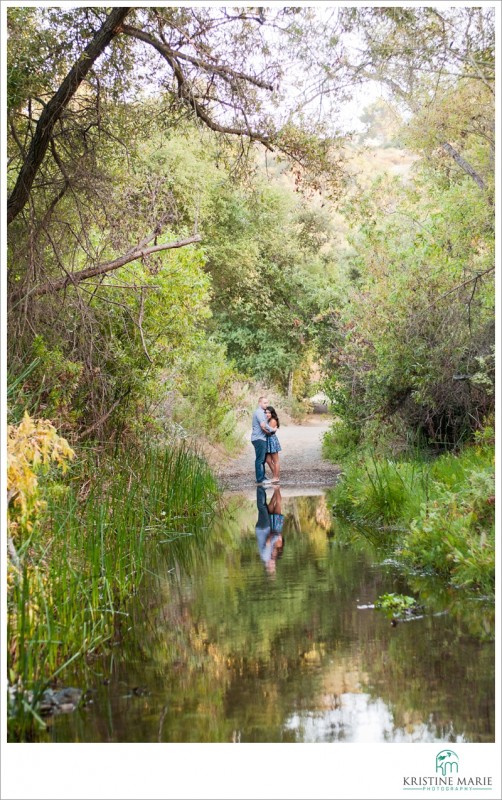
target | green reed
x=87, y=556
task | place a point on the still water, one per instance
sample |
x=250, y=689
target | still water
x=239, y=636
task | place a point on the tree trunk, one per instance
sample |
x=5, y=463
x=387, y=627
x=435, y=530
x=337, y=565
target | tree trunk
x=55, y=107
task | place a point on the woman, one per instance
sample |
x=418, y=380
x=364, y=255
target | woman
x=273, y=444
x=276, y=516
x=276, y=526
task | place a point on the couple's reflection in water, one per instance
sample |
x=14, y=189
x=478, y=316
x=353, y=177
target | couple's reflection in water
x=269, y=527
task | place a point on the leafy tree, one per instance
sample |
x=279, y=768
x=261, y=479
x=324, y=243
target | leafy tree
x=420, y=55
x=205, y=69
x=92, y=207
x=419, y=318
x=267, y=277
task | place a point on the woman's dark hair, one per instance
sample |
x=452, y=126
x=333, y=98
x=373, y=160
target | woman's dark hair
x=274, y=414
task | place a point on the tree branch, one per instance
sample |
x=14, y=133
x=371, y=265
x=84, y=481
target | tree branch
x=101, y=269
x=186, y=93
x=54, y=109
x=463, y=164
x=219, y=69
x=459, y=286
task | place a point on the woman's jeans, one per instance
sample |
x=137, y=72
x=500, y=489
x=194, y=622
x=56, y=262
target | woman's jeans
x=260, y=448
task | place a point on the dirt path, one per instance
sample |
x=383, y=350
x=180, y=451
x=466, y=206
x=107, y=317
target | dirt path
x=301, y=459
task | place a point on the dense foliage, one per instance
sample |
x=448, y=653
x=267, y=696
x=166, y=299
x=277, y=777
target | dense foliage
x=149, y=232
x=412, y=340
x=185, y=216
x=139, y=225
x=435, y=516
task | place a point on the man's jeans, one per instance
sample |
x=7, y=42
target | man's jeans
x=260, y=448
x=263, y=525
x=263, y=521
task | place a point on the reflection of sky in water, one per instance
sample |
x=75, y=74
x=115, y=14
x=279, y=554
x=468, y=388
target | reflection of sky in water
x=359, y=719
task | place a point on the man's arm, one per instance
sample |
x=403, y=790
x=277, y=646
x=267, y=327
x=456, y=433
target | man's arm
x=263, y=421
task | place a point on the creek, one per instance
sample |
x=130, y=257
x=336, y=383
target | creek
x=220, y=645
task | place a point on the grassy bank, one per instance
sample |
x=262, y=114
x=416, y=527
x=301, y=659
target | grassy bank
x=74, y=568
x=437, y=515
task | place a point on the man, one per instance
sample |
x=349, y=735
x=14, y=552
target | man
x=270, y=542
x=259, y=440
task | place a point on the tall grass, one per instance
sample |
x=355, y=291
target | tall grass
x=437, y=514
x=87, y=555
x=382, y=491
x=19, y=399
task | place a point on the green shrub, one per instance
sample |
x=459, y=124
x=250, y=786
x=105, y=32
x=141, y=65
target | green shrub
x=455, y=533
x=443, y=510
x=339, y=442
x=210, y=397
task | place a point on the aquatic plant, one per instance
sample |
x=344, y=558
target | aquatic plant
x=398, y=606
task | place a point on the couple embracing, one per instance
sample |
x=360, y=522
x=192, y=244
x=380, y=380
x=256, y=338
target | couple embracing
x=265, y=442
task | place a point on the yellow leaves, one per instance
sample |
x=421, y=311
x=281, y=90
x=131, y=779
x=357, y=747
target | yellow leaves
x=31, y=445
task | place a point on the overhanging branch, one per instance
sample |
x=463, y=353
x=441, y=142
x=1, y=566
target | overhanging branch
x=172, y=57
x=72, y=279
x=227, y=73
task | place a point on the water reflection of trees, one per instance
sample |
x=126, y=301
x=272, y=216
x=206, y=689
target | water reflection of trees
x=227, y=653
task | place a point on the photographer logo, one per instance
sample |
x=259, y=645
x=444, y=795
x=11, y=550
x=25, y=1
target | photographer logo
x=447, y=762
x=446, y=777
